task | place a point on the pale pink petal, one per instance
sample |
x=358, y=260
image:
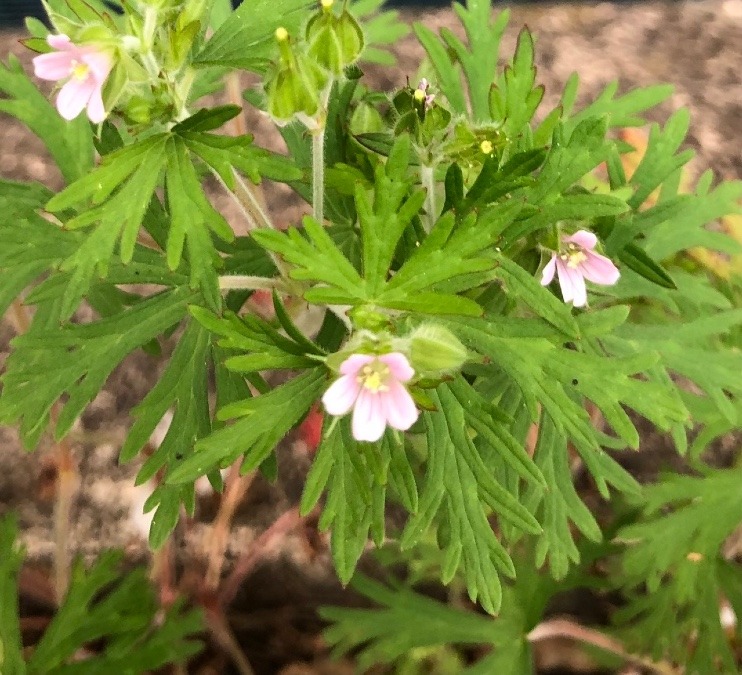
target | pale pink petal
x=399, y=407
x=73, y=97
x=60, y=42
x=52, y=66
x=399, y=365
x=579, y=291
x=100, y=64
x=96, y=109
x=548, y=273
x=341, y=395
x=565, y=280
x=354, y=363
x=583, y=239
x=368, y=422
x=599, y=269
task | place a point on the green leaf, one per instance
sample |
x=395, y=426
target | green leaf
x=635, y=258
x=266, y=419
x=523, y=286
x=245, y=38
x=47, y=363
x=122, y=613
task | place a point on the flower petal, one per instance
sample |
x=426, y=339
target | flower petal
x=565, y=280
x=582, y=238
x=354, y=363
x=73, y=97
x=96, y=109
x=341, y=395
x=399, y=365
x=599, y=269
x=61, y=42
x=368, y=422
x=52, y=66
x=100, y=64
x=399, y=407
x=548, y=273
x=577, y=282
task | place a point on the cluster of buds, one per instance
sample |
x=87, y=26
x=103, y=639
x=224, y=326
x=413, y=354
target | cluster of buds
x=299, y=82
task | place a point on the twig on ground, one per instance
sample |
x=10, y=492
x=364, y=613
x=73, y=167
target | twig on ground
x=565, y=628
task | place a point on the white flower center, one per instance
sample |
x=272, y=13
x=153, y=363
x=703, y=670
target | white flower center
x=80, y=70
x=374, y=376
x=574, y=256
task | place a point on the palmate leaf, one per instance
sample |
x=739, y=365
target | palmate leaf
x=133, y=173
x=261, y=423
x=120, y=612
x=49, y=362
x=545, y=373
x=404, y=621
x=675, y=549
x=559, y=504
x=69, y=143
x=31, y=244
x=182, y=388
x=246, y=38
x=460, y=487
x=357, y=476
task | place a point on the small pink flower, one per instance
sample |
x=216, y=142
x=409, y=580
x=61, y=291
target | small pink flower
x=576, y=261
x=85, y=70
x=372, y=386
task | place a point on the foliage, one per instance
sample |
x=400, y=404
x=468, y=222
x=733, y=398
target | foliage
x=434, y=211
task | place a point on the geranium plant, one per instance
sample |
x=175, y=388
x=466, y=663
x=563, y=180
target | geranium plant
x=454, y=380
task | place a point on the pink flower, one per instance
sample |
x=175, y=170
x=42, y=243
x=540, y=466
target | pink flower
x=576, y=261
x=85, y=70
x=372, y=386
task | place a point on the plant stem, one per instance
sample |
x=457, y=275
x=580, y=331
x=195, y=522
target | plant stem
x=234, y=491
x=235, y=282
x=427, y=178
x=318, y=174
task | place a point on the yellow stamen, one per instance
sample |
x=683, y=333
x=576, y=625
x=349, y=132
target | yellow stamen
x=282, y=34
x=486, y=147
x=80, y=70
x=574, y=256
x=374, y=376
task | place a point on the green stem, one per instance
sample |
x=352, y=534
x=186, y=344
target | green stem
x=318, y=174
x=427, y=178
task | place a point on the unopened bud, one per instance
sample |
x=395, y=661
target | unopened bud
x=435, y=350
x=294, y=85
x=335, y=42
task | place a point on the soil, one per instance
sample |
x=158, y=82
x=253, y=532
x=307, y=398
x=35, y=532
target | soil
x=697, y=46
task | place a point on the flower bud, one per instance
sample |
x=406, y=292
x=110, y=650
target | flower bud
x=436, y=350
x=293, y=87
x=334, y=41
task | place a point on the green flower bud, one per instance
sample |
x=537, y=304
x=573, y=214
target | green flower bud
x=334, y=41
x=436, y=350
x=293, y=87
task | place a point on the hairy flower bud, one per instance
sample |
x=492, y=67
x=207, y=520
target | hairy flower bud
x=435, y=350
x=334, y=41
x=293, y=87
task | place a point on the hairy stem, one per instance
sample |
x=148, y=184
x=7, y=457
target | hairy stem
x=234, y=282
x=318, y=174
x=427, y=178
